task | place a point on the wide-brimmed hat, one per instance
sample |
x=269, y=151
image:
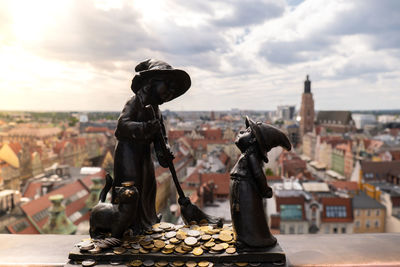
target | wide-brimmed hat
x=268, y=137
x=153, y=68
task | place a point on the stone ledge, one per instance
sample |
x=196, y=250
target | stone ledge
x=300, y=250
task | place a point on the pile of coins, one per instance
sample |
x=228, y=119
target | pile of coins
x=168, y=238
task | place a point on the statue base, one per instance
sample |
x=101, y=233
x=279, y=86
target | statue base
x=140, y=250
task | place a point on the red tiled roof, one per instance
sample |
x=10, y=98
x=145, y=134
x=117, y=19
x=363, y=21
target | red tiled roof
x=395, y=154
x=221, y=180
x=92, y=129
x=16, y=147
x=175, y=134
x=29, y=229
x=32, y=189
x=337, y=201
x=274, y=178
x=212, y=134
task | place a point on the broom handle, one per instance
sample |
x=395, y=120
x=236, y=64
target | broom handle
x=169, y=161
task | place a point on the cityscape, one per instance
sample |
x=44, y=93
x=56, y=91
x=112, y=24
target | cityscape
x=341, y=177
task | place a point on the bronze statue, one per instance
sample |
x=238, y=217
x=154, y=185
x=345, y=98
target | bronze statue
x=155, y=83
x=249, y=185
x=141, y=124
x=107, y=219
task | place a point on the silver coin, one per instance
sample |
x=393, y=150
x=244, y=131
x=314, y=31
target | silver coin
x=114, y=263
x=179, y=226
x=190, y=241
x=135, y=246
x=156, y=236
x=157, y=230
x=148, y=263
x=194, y=233
x=254, y=264
x=215, y=236
x=87, y=246
x=170, y=234
x=87, y=263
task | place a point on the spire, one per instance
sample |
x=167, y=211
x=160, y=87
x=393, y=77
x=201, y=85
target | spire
x=307, y=86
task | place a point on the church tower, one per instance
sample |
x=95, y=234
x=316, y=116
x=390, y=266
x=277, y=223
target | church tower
x=306, y=110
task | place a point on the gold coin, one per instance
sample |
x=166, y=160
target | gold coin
x=241, y=264
x=134, y=251
x=180, y=250
x=159, y=243
x=186, y=247
x=209, y=244
x=167, y=251
x=149, y=246
x=161, y=263
x=178, y=263
x=144, y=242
x=225, y=232
x=205, y=237
x=143, y=251
x=119, y=250
x=224, y=245
x=136, y=263
x=197, y=251
x=155, y=249
x=169, y=246
x=174, y=240
x=230, y=250
x=217, y=247
x=181, y=236
x=203, y=263
x=225, y=237
x=191, y=264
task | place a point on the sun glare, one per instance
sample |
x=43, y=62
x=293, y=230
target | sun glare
x=31, y=18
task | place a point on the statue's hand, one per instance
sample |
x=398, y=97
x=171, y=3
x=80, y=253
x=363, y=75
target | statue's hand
x=153, y=126
x=170, y=155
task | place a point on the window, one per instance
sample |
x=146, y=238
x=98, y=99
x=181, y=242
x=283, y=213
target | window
x=368, y=213
x=357, y=212
x=377, y=212
x=336, y=212
x=291, y=229
x=291, y=212
x=343, y=230
x=18, y=227
x=40, y=215
x=367, y=224
x=376, y=224
x=357, y=224
x=335, y=230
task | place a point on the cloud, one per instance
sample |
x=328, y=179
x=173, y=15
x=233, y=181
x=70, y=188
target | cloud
x=250, y=12
x=246, y=54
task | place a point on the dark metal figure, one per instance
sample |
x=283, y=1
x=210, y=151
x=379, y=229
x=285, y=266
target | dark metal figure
x=114, y=219
x=249, y=185
x=155, y=83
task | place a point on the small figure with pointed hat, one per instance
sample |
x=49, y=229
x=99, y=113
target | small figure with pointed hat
x=249, y=185
x=139, y=126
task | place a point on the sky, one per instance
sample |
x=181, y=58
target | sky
x=248, y=54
